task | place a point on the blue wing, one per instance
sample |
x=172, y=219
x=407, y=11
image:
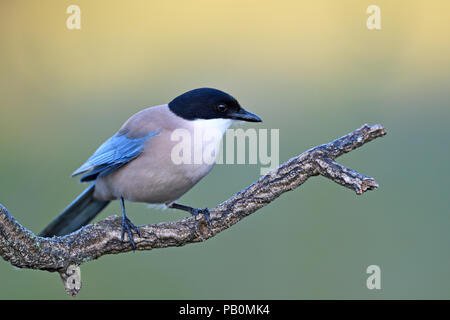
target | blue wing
x=111, y=155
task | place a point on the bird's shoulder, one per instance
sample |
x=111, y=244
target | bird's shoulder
x=157, y=118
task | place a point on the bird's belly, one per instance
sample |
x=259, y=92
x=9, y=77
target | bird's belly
x=142, y=181
x=153, y=177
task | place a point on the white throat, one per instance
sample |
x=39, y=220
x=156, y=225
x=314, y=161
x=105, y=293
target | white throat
x=210, y=125
x=208, y=136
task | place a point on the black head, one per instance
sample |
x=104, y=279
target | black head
x=208, y=103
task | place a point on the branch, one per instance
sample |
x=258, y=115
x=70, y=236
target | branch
x=64, y=254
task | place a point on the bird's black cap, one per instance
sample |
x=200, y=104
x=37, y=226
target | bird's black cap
x=209, y=103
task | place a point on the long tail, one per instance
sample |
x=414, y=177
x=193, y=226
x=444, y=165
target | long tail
x=79, y=213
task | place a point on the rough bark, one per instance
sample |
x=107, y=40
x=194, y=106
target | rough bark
x=65, y=254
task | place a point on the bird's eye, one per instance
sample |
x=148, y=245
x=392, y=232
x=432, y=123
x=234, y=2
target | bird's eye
x=222, y=108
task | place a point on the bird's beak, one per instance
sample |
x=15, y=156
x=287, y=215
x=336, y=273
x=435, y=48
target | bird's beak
x=244, y=115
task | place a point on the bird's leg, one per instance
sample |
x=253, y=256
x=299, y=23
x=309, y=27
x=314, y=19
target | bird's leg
x=128, y=225
x=193, y=211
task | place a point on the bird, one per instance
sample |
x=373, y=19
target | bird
x=136, y=163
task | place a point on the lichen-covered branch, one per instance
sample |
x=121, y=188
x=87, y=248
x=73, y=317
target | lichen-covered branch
x=64, y=254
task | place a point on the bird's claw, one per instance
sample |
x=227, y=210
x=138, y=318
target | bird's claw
x=204, y=211
x=128, y=226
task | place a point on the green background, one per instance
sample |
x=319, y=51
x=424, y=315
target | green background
x=311, y=69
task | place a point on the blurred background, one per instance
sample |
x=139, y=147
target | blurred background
x=309, y=68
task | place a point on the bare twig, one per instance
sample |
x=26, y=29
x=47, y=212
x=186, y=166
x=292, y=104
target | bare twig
x=64, y=254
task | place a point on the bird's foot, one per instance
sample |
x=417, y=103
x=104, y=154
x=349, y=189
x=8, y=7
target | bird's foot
x=128, y=226
x=204, y=211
